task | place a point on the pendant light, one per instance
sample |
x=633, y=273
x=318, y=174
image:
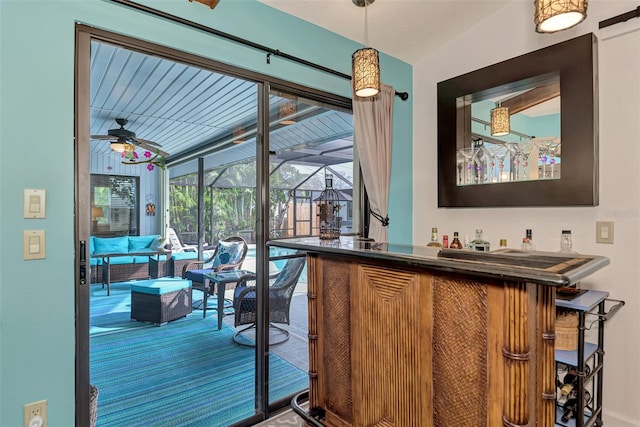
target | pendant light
x=500, y=121
x=557, y=15
x=287, y=113
x=365, y=63
x=238, y=135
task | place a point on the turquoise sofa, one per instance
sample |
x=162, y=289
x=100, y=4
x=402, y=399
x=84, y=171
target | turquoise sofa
x=124, y=267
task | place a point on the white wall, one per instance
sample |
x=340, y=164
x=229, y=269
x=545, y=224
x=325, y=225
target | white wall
x=510, y=33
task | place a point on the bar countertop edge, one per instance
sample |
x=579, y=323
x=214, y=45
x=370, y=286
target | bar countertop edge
x=501, y=264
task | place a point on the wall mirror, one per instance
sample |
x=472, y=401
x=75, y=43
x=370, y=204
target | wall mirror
x=522, y=132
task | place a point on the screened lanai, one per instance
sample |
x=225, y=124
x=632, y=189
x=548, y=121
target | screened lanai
x=297, y=178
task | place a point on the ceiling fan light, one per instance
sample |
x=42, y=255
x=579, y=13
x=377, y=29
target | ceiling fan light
x=557, y=15
x=118, y=147
x=500, y=121
x=365, y=74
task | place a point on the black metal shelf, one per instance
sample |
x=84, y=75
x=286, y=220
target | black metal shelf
x=588, y=358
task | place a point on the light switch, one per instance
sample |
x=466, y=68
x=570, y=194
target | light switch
x=604, y=232
x=34, y=203
x=34, y=244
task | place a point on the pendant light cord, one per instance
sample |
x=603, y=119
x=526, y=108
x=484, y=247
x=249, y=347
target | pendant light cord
x=366, y=25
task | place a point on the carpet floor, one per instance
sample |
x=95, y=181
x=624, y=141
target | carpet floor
x=184, y=373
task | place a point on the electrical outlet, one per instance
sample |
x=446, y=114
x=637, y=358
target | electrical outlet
x=35, y=414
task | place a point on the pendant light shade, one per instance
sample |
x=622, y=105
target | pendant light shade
x=287, y=113
x=238, y=135
x=365, y=62
x=365, y=72
x=557, y=15
x=500, y=121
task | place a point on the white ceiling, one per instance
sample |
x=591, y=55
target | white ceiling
x=405, y=29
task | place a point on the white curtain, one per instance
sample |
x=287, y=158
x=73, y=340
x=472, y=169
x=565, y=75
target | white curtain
x=373, y=119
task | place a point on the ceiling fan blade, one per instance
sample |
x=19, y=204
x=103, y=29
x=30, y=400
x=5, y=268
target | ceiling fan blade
x=151, y=148
x=102, y=137
x=146, y=141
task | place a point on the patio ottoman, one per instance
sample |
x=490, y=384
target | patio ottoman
x=160, y=300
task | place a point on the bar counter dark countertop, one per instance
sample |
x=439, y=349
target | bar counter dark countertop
x=547, y=268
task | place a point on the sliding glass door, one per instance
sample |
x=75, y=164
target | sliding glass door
x=239, y=155
x=309, y=142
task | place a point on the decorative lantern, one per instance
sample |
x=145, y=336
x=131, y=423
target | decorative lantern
x=328, y=209
x=500, y=121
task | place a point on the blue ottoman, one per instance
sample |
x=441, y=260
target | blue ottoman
x=160, y=300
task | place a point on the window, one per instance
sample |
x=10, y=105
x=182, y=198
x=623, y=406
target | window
x=114, y=205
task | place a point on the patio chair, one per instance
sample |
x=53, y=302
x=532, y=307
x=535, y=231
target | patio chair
x=229, y=254
x=177, y=245
x=280, y=294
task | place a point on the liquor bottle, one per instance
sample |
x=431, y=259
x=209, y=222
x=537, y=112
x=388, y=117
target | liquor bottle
x=503, y=243
x=479, y=244
x=566, y=244
x=455, y=243
x=527, y=241
x=445, y=241
x=434, y=239
x=467, y=243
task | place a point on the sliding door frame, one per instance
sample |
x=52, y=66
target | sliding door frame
x=84, y=35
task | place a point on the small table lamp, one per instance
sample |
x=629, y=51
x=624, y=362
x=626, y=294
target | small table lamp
x=96, y=212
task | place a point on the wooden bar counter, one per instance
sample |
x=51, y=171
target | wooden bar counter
x=408, y=336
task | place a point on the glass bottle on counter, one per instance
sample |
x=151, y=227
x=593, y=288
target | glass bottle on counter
x=479, y=244
x=445, y=241
x=434, y=243
x=455, y=243
x=566, y=244
x=527, y=241
x=503, y=243
x=467, y=243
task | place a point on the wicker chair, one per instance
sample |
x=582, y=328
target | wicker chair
x=280, y=294
x=228, y=255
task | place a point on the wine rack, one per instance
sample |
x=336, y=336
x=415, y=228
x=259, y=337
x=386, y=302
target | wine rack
x=584, y=366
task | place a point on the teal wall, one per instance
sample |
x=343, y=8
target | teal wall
x=37, y=353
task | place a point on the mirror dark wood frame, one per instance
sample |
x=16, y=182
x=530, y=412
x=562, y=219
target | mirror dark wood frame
x=576, y=62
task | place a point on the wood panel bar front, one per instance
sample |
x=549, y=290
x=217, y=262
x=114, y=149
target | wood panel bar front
x=405, y=338
x=396, y=346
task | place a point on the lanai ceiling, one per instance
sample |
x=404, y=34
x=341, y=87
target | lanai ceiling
x=190, y=110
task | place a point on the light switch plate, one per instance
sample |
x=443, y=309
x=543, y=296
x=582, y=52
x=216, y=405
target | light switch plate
x=34, y=203
x=604, y=232
x=34, y=244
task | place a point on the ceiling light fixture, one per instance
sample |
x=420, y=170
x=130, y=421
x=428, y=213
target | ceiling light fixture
x=118, y=146
x=365, y=62
x=287, y=113
x=500, y=121
x=557, y=15
x=211, y=3
x=238, y=135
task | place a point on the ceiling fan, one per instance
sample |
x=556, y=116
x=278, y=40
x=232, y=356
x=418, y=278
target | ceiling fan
x=125, y=140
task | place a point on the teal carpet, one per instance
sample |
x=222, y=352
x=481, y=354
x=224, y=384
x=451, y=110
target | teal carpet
x=185, y=373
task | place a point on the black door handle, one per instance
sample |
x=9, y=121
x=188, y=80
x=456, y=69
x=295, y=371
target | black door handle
x=83, y=262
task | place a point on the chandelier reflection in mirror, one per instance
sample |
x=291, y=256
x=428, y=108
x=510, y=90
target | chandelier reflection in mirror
x=501, y=146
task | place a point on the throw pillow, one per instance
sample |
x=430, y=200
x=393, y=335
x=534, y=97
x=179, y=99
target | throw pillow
x=228, y=253
x=138, y=243
x=158, y=243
